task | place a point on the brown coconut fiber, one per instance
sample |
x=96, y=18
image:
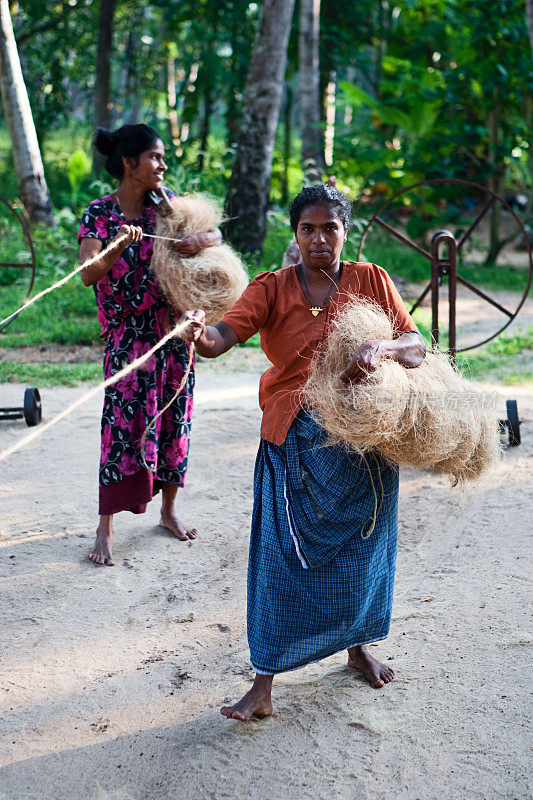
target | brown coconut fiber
x=211, y=280
x=426, y=418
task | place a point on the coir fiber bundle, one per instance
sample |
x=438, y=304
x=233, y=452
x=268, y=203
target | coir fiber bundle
x=427, y=418
x=214, y=278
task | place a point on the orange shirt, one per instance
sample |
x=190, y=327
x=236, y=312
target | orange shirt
x=275, y=305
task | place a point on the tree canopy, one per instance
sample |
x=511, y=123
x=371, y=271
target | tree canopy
x=407, y=90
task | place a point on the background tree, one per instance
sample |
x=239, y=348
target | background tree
x=308, y=90
x=102, y=100
x=529, y=15
x=249, y=186
x=26, y=154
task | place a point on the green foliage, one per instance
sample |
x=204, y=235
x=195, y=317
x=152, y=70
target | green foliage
x=447, y=97
x=420, y=106
x=14, y=248
x=79, y=166
x=278, y=237
x=66, y=315
x=512, y=344
x=424, y=81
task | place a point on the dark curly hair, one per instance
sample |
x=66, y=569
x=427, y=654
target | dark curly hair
x=335, y=200
x=129, y=141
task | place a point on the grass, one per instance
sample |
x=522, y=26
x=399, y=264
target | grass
x=49, y=374
x=253, y=341
x=507, y=360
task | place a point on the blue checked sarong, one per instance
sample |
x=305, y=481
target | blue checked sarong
x=322, y=550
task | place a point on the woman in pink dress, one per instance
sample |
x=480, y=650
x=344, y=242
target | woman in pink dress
x=134, y=316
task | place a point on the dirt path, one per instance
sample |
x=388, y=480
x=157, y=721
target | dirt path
x=112, y=679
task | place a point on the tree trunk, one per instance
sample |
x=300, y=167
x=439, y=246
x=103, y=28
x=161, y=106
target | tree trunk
x=309, y=92
x=529, y=14
x=172, y=102
x=528, y=107
x=17, y=112
x=132, y=95
x=249, y=186
x=331, y=115
x=206, y=125
x=102, y=103
x=287, y=142
x=528, y=116
x=208, y=82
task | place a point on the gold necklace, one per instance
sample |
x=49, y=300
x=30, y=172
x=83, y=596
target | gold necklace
x=315, y=310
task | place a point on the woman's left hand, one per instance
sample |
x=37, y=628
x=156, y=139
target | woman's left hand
x=366, y=359
x=193, y=325
x=189, y=245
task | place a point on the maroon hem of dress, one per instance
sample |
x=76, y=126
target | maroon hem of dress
x=132, y=493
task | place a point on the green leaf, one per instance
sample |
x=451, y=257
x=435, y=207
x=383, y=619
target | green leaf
x=79, y=166
x=357, y=97
x=423, y=117
x=394, y=116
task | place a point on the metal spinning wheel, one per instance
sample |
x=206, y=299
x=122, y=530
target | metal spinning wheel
x=444, y=264
x=31, y=410
x=24, y=263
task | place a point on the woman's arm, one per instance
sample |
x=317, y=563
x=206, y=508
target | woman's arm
x=210, y=340
x=90, y=247
x=408, y=350
x=191, y=245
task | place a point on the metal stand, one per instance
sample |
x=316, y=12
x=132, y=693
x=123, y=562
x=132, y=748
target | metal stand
x=443, y=257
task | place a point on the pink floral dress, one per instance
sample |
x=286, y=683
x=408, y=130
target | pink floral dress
x=134, y=317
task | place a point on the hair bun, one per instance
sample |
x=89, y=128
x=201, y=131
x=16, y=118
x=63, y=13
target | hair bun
x=105, y=141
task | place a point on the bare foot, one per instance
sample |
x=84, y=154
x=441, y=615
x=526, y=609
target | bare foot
x=101, y=553
x=376, y=673
x=255, y=703
x=172, y=523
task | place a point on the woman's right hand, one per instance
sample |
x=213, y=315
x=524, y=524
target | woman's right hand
x=132, y=233
x=194, y=325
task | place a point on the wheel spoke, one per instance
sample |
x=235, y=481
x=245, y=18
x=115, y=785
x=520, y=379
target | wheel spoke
x=486, y=297
x=473, y=226
x=9, y=264
x=402, y=237
x=417, y=302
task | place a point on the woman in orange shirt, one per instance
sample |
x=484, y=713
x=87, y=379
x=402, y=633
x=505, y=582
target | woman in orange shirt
x=322, y=553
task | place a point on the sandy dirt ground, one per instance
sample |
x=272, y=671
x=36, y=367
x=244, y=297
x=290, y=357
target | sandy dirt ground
x=112, y=678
